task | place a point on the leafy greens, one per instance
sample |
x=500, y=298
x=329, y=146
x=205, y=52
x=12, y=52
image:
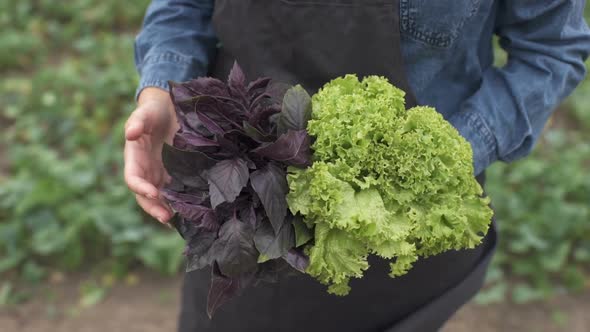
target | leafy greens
x=228, y=162
x=384, y=180
x=249, y=201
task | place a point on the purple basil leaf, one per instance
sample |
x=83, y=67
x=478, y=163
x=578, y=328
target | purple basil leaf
x=297, y=260
x=242, y=145
x=180, y=141
x=186, y=229
x=197, y=183
x=179, y=225
x=207, y=86
x=237, y=81
x=201, y=215
x=179, y=92
x=175, y=185
x=262, y=115
x=234, y=250
x=228, y=143
x=296, y=110
x=302, y=233
x=198, y=253
x=277, y=90
x=225, y=112
x=181, y=96
x=224, y=288
x=249, y=162
x=271, y=245
x=190, y=232
x=189, y=122
x=175, y=196
x=291, y=148
x=270, y=184
x=259, y=84
x=248, y=215
x=226, y=180
x=184, y=165
x=195, y=139
x=210, y=124
x=256, y=134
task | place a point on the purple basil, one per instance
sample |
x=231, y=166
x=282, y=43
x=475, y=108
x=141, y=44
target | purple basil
x=228, y=162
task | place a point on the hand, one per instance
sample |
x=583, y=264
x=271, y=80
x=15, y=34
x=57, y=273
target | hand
x=148, y=127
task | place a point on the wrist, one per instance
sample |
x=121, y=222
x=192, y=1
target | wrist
x=155, y=98
x=154, y=95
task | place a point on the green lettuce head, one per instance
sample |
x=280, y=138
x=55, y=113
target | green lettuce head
x=385, y=180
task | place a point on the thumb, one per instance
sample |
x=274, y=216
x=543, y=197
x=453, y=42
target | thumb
x=138, y=124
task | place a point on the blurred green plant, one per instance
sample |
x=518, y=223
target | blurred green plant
x=67, y=88
x=579, y=104
x=543, y=215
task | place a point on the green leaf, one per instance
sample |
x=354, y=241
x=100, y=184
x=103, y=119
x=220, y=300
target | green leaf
x=12, y=260
x=49, y=240
x=163, y=253
x=522, y=293
x=5, y=294
x=32, y=272
x=492, y=294
x=555, y=260
x=92, y=295
x=336, y=257
x=560, y=318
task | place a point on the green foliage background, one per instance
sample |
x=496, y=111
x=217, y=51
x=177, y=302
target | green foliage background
x=67, y=88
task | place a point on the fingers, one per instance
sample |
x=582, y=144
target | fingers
x=155, y=208
x=141, y=187
x=138, y=123
x=135, y=175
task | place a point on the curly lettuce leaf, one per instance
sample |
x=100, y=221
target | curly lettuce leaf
x=335, y=257
x=384, y=180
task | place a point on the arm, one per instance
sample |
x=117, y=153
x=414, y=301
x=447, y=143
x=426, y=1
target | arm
x=547, y=43
x=176, y=42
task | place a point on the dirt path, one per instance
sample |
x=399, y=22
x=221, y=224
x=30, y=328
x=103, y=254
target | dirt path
x=149, y=304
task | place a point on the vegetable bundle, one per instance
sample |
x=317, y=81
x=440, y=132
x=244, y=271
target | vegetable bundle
x=250, y=202
x=385, y=180
x=228, y=163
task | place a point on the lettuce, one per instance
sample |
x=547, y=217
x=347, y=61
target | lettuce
x=387, y=181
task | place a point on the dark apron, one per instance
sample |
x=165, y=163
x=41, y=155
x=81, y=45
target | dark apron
x=310, y=42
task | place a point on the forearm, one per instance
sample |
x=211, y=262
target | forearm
x=176, y=42
x=547, y=46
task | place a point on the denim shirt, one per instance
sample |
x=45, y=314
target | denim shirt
x=448, y=52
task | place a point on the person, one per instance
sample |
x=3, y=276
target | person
x=439, y=52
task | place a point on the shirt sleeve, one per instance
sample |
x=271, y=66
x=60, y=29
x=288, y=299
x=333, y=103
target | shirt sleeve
x=176, y=42
x=547, y=43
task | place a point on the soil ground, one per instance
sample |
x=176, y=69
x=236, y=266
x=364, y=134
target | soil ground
x=149, y=303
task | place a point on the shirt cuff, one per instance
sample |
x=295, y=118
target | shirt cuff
x=157, y=70
x=483, y=144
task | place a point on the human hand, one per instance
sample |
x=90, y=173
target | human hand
x=147, y=129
